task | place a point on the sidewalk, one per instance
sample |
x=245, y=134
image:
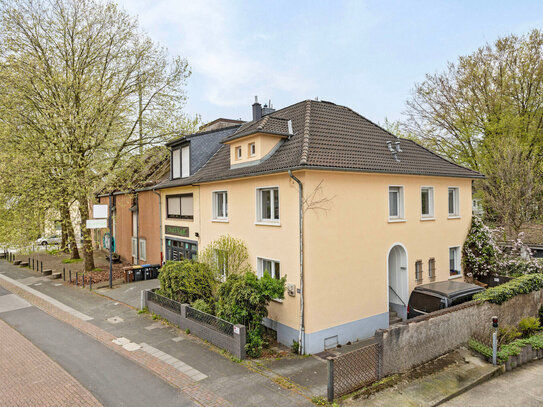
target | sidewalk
x=213, y=375
x=30, y=378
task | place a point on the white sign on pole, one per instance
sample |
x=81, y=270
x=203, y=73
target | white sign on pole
x=96, y=223
x=99, y=211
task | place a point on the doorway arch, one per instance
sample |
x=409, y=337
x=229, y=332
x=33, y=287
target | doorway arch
x=398, y=284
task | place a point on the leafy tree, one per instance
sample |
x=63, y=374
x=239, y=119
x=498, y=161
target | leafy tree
x=83, y=90
x=225, y=256
x=485, y=111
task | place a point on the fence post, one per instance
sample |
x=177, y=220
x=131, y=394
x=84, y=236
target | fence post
x=41, y=267
x=83, y=280
x=90, y=282
x=63, y=273
x=380, y=349
x=76, y=278
x=29, y=262
x=240, y=340
x=32, y=264
x=143, y=299
x=330, y=378
x=70, y=272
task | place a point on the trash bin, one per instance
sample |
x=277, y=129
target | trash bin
x=146, y=269
x=155, y=270
x=138, y=273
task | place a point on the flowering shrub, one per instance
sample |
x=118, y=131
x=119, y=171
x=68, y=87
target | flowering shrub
x=480, y=251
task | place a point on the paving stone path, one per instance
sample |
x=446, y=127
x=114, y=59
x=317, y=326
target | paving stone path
x=29, y=377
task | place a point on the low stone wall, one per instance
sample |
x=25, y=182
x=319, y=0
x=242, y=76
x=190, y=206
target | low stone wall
x=234, y=344
x=426, y=337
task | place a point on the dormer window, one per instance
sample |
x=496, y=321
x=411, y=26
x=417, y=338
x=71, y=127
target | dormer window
x=180, y=162
x=238, y=153
x=252, y=149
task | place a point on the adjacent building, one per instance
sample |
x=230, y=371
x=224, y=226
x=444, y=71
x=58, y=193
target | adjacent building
x=352, y=216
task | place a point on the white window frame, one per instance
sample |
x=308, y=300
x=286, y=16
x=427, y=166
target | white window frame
x=456, y=202
x=252, y=149
x=239, y=153
x=143, y=249
x=216, y=216
x=134, y=246
x=264, y=221
x=430, y=214
x=401, y=206
x=176, y=163
x=180, y=162
x=260, y=267
x=457, y=260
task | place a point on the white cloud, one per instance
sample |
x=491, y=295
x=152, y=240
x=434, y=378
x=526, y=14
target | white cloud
x=231, y=65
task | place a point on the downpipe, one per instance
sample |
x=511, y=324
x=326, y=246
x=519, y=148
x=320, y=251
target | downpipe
x=301, y=337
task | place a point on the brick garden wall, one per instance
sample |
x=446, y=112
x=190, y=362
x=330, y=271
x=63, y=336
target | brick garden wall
x=424, y=338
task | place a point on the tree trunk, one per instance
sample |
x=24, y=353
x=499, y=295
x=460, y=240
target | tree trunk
x=88, y=251
x=64, y=222
x=72, y=241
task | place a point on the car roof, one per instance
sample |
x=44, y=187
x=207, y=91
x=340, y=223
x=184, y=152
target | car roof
x=449, y=289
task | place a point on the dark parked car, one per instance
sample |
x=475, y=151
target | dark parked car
x=431, y=297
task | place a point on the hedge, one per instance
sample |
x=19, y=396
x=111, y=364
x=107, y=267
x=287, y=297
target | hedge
x=506, y=351
x=521, y=285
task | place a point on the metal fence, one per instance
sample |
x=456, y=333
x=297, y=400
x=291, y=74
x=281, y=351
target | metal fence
x=212, y=321
x=165, y=302
x=354, y=370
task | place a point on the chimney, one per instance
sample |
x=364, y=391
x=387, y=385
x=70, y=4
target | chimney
x=267, y=109
x=257, y=110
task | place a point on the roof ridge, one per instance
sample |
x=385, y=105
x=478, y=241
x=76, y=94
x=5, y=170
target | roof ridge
x=263, y=122
x=305, y=141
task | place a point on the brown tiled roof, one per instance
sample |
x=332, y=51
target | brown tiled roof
x=270, y=124
x=329, y=136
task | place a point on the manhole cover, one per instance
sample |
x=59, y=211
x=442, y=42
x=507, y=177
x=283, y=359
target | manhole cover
x=115, y=320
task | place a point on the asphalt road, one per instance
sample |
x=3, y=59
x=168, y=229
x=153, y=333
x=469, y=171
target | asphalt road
x=110, y=377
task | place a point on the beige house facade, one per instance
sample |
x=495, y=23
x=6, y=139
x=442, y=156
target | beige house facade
x=352, y=216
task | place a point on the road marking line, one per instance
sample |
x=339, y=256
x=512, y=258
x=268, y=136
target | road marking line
x=12, y=302
x=50, y=300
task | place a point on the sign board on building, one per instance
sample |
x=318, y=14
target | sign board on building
x=177, y=230
x=99, y=211
x=236, y=330
x=96, y=223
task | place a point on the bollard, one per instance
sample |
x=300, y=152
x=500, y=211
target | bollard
x=29, y=262
x=330, y=386
x=41, y=266
x=142, y=299
x=90, y=283
x=83, y=280
x=33, y=264
x=63, y=273
x=76, y=278
x=70, y=271
x=494, y=340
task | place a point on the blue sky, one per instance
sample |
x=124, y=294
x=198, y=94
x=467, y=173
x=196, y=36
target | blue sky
x=363, y=54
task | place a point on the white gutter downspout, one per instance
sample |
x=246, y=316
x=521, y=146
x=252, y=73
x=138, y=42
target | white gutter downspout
x=160, y=221
x=301, y=337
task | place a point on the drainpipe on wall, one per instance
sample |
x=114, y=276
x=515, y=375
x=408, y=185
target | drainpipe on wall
x=160, y=220
x=301, y=337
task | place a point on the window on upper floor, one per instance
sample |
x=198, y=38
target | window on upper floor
x=180, y=206
x=454, y=202
x=220, y=205
x=252, y=149
x=454, y=261
x=180, y=162
x=268, y=266
x=268, y=204
x=238, y=153
x=432, y=268
x=143, y=249
x=427, y=202
x=395, y=203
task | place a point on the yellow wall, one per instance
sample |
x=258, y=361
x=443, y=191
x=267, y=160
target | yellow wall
x=347, y=244
x=263, y=145
x=347, y=237
x=193, y=224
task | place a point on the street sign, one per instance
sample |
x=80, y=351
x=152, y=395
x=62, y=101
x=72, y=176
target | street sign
x=96, y=223
x=99, y=211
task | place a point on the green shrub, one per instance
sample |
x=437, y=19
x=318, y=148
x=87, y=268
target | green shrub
x=243, y=299
x=186, y=281
x=203, y=306
x=226, y=255
x=521, y=285
x=295, y=347
x=528, y=326
x=508, y=334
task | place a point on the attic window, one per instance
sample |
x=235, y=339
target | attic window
x=238, y=153
x=180, y=162
x=252, y=149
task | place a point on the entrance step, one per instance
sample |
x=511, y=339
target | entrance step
x=23, y=264
x=16, y=262
x=54, y=276
x=47, y=272
x=393, y=318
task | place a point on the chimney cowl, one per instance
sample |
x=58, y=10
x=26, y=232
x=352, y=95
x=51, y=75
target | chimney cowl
x=257, y=110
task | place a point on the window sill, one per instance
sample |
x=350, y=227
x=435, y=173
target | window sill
x=454, y=277
x=454, y=217
x=428, y=218
x=220, y=220
x=396, y=220
x=263, y=223
x=180, y=219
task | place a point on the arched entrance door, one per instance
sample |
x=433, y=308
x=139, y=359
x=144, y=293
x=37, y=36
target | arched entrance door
x=398, y=286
